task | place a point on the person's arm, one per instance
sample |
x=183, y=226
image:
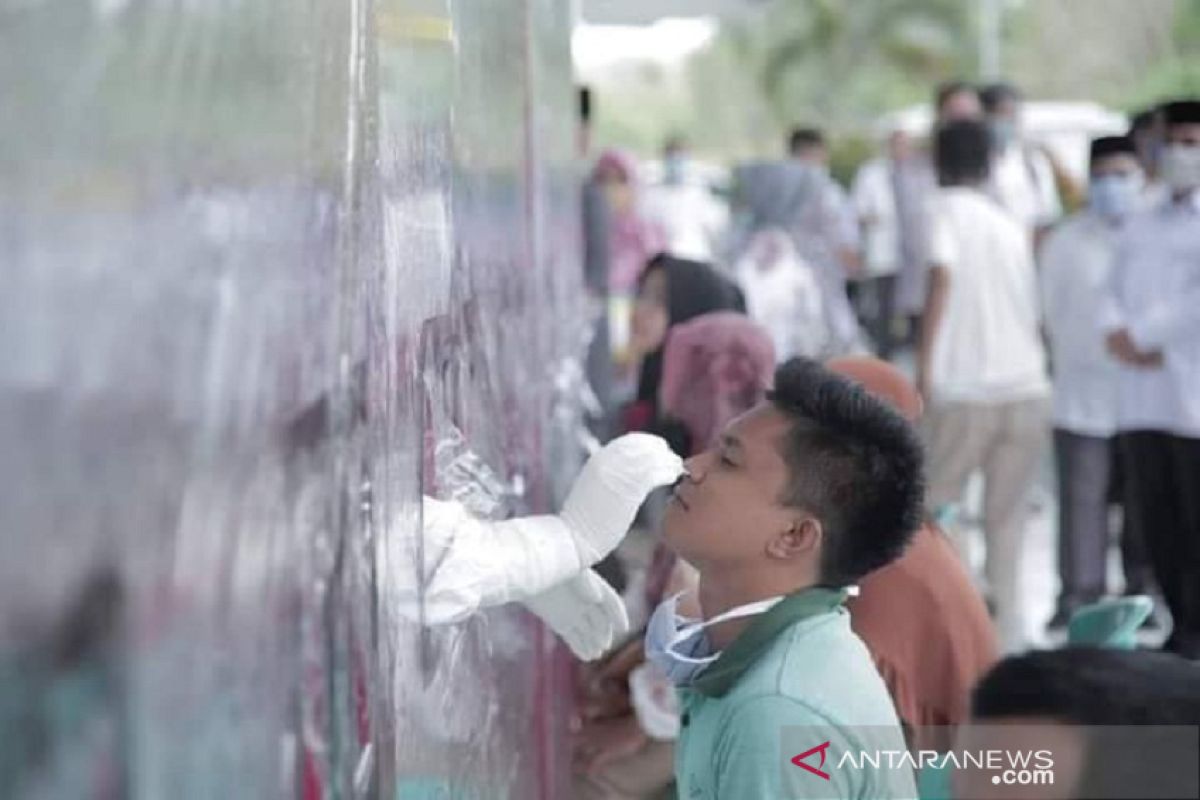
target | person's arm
x=938, y=289
x=471, y=563
x=1114, y=324
x=942, y=258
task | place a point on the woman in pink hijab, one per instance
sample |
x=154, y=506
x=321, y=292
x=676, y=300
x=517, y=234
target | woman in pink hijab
x=715, y=367
x=633, y=238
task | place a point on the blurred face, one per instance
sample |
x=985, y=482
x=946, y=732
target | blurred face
x=963, y=104
x=1004, y=123
x=650, y=316
x=1006, y=110
x=727, y=510
x=615, y=184
x=813, y=154
x=1116, y=185
x=899, y=145
x=1181, y=158
x=1186, y=135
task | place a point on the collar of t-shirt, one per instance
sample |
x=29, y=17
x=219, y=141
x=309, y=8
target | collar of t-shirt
x=746, y=649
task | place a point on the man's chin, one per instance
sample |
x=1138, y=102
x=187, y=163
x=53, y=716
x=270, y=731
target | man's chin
x=674, y=525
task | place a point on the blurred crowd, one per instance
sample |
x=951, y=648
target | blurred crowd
x=1017, y=314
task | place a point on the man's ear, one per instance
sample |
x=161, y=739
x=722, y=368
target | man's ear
x=802, y=537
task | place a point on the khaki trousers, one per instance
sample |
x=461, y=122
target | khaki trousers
x=1006, y=442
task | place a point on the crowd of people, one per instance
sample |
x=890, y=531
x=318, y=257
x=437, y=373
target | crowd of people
x=835, y=366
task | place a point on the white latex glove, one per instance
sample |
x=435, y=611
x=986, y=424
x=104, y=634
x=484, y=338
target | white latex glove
x=614, y=483
x=585, y=612
x=471, y=563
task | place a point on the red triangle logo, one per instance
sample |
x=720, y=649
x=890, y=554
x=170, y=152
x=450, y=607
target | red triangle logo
x=799, y=760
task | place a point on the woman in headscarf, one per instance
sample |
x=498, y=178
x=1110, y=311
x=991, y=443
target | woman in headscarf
x=670, y=291
x=784, y=295
x=714, y=368
x=633, y=238
x=924, y=622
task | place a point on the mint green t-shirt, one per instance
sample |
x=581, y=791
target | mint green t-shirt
x=796, y=678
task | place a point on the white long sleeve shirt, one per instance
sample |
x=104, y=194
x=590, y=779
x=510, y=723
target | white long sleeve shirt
x=1155, y=294
x=874, y=195
x=1076, y=265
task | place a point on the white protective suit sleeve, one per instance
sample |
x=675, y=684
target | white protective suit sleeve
x=472, y=563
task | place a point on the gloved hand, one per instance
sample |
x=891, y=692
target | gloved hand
x=472, y=563
x=614, y=483
x=585, y=612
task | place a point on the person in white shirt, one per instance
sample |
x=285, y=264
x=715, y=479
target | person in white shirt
x=691, y=217
x=980, y=363
x=1076, y=261
x=1022, y=175
x=826, y=235
x=784, y=295
x=874, y=195
x=1152, y=324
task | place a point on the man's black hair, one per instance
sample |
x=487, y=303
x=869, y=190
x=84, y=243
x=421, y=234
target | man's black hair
x=948, y=89
x=1092, y=686
x=854, y=463
x=963, y=152
x=1097, y=690
x=994, y=94
x=1105, y=146
x=805, y=138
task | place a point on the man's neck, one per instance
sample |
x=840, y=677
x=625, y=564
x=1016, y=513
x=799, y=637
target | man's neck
x=722, y=590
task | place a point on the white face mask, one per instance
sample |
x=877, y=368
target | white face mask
x=1181, y=167
x=678, y=646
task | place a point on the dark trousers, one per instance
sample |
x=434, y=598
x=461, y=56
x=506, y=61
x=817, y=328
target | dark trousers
x=1084, y=466
x=1162, y=500
x=1135, y=559
x=875, y=305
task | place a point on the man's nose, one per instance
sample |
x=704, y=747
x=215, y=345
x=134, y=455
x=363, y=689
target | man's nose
x=694, y=468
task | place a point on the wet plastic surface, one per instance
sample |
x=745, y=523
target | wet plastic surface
x=271, y=270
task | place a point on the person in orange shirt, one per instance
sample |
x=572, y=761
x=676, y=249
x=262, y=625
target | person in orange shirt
x=922, y=619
